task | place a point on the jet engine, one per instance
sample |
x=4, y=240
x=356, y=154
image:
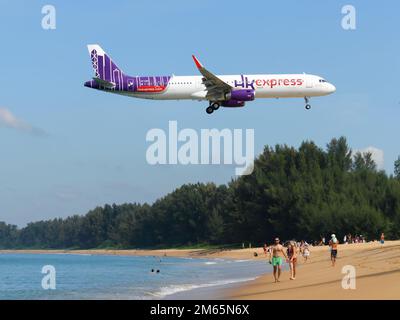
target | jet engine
x=241, y=95
x=232, y=103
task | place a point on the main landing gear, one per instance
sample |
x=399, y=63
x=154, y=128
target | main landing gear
x=307, y=100
x=212, y=107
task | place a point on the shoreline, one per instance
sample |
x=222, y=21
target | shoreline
x=377, y=272
x=234, y=254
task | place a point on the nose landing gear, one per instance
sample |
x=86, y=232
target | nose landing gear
x=307, y=100
x=212, y=107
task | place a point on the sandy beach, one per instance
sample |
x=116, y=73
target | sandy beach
x=377, y=271
x=377, y=276
x=183, y=253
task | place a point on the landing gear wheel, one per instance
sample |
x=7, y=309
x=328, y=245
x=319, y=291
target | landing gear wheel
x=308, y=106
x=215, y=105
x=210, y=110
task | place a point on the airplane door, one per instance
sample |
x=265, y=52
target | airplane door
x=309, y=82
x=199, y=83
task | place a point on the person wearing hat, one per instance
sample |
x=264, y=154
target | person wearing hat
x=333, y=244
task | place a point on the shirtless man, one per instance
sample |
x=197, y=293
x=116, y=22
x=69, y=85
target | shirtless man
x=275, y=258
x=333, y=244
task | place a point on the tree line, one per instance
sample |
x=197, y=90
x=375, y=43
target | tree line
x=302, y=193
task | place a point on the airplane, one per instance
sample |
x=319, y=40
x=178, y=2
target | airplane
x=230, y=91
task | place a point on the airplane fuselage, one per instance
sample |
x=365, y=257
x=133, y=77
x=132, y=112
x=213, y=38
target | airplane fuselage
x=192, y=87
x=219, y=90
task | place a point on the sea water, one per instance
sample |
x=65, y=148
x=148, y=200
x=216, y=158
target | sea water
x=117, y=277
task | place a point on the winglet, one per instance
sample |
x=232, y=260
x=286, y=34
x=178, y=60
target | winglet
x=197, y=62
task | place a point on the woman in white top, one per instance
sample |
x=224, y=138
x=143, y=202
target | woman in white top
x=306, y=253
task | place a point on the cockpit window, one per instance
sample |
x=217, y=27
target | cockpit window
x=322, y=80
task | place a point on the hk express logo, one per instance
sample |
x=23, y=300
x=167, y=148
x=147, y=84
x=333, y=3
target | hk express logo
x=245, y=83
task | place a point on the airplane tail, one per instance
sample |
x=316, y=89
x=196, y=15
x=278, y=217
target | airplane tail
x=104, y=68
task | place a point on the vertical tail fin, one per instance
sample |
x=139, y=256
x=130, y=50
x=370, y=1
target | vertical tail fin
x=104, y=68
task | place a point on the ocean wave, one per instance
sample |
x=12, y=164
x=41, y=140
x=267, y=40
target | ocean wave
x=172, y=289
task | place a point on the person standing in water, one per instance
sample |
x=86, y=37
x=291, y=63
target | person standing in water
x=292, y=257
x=275, y=258
x=333, y=244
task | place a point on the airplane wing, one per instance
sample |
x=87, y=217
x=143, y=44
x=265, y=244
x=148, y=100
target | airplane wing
x=216, y=88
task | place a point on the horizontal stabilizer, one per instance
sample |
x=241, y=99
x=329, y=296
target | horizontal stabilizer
x=104, y=83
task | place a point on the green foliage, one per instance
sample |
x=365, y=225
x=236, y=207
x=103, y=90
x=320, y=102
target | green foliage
x=302, y=193
x=397, y=168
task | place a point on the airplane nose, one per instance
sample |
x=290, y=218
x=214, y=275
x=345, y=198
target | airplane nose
x=332, y=88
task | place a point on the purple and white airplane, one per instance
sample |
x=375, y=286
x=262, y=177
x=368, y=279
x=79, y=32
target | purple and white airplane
x=225, y=90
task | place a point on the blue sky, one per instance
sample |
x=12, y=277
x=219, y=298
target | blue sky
x=70, y=148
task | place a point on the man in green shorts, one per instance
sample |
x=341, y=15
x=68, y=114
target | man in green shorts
x=275, y=258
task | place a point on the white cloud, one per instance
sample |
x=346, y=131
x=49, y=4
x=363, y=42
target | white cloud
x=7, y=119
x=377, y=155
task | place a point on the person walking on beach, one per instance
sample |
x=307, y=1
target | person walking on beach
x=306, y=252
x=382, y=238
x=301, y=246
x=276, y=258
x=333, y=244
x=266, y=249
x=292, y=257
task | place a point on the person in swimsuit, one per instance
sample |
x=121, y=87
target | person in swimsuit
x=275, y=258
x=301, y=246
x=333, y=243
x=382, y=238
x=292, y=257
